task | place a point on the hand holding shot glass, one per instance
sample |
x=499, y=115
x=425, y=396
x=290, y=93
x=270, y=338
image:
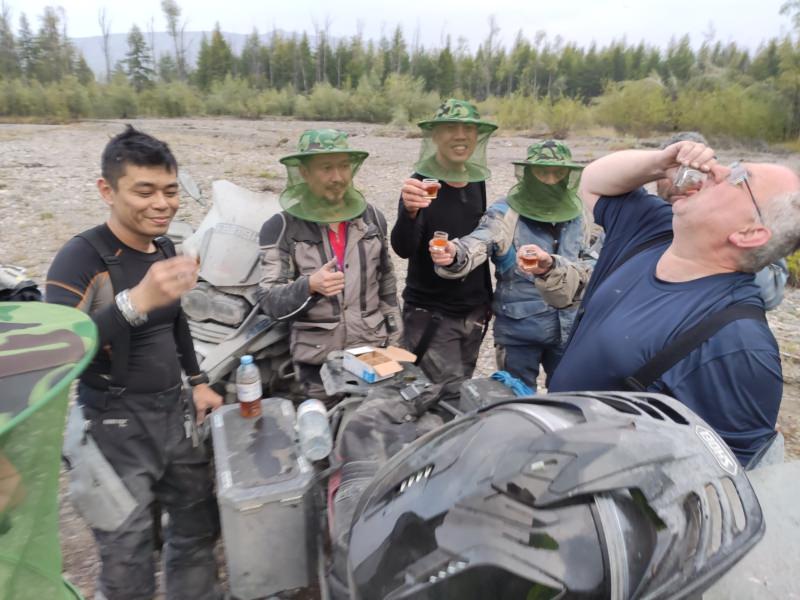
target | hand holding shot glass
x=417, y=194
x=531, y=259
x=443, y=251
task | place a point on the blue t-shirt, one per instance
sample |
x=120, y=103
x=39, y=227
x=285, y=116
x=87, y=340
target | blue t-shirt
x=733, y=380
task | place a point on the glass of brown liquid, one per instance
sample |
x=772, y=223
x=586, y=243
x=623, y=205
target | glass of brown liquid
x=431, y=188
x=439, y=241
x=529, y=259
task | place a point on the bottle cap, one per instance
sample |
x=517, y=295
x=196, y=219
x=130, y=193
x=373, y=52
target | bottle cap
x=247, y=359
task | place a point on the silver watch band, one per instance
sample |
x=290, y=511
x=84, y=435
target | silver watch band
x=125, y=306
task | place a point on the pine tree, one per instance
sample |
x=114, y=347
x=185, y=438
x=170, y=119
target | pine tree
x=26, y=48
x=9, y=60
x=215, y=60
x=138, y=62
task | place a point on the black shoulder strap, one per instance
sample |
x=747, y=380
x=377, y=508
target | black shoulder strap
x=121, y=345
x=165, y=245
x=687, y=341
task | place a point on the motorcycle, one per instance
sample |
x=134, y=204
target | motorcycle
x=607, y=495
x=222, y=309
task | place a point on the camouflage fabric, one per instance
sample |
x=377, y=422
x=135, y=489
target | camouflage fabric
x=458, y=111
x=312, y=195
x=550, y=153
x=539, y=200
x=43, y=347
x=313, y=142
x=474, y=167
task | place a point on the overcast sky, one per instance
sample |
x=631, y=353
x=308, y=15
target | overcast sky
x=747, y=22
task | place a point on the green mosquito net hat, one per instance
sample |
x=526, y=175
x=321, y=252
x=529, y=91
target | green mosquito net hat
x=444, y=140
x=335, y=199
x=547, y=201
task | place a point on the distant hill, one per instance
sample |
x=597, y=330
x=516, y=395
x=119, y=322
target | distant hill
x=92, y=47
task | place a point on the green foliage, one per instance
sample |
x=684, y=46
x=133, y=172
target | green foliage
x=324, y=102
x=215, y=61
x=794, y=268
x=733, y=110
x=277, y=102
x=368, y=103
x=235, y=97
x=138, y=61
x=539, y=84
x=176, y=99
x=408, y=100
x=517, y=111
x=563, y=115
x=637, y=107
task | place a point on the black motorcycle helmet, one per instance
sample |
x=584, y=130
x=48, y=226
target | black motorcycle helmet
x=583, y=495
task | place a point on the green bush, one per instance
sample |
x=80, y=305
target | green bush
x=368, y=103
x=794, y=269
x=636, y=107
x=563, y=115
x=277, y=102
x=233, y=96
x=75, y=97
x=408, y=99
x=517, y=111
x=174, y=99
x=117, y=100
x=324, y=102
x=733, y=110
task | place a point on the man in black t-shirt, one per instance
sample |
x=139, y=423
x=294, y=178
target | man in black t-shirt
x=128, y=280
x=444, y=320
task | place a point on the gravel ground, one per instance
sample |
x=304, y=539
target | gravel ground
x=47, y=194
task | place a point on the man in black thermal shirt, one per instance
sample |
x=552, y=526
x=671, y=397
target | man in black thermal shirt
x=444, y=320
x=127, y=278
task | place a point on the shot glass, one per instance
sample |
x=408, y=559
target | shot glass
x=439, y=241
x=431, y=188
x=528, y=258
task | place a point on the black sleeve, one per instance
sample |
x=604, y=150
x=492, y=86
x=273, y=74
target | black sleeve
x=406, y=232
x=77, y=278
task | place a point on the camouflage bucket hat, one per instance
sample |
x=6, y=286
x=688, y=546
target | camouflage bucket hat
x=550, y=153
x=458, y=111
x=321, y=141
x=333, y=201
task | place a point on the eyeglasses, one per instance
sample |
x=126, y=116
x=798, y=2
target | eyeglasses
x=739, y=175
x=687, y=179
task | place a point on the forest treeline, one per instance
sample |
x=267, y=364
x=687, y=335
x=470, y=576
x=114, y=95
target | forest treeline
x=537, y=83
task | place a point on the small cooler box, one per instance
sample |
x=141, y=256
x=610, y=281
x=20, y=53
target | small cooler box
x=266, y=501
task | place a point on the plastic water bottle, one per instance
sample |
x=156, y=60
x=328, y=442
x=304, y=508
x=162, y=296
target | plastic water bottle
x=313, y=430
x=248, y=388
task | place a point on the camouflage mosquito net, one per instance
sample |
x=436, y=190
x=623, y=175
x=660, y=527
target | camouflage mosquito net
x=454, y=144
x=320, y=176
x=43, y=347
x=548, y=184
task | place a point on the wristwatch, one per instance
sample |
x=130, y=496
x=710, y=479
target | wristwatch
x=201, y=377
x=125, y=306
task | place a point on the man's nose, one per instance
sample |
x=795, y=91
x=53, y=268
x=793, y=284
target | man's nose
x=160, y=200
